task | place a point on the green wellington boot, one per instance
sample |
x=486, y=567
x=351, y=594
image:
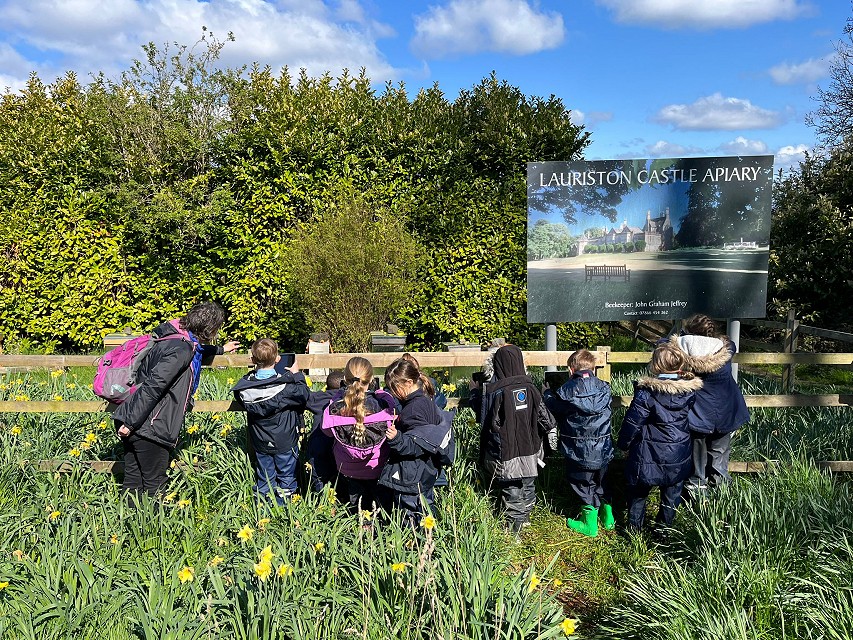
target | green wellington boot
x=588, y=523
x=607, y=519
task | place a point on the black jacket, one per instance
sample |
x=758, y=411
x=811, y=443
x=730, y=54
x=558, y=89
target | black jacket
x=274, y=408
x=157, y=409
x=582, y=409
x=656, y=434
x=423, y=446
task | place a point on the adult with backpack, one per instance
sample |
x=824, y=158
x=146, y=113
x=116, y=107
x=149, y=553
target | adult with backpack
x=149, y=419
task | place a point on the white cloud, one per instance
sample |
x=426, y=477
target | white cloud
x=664, y=149
x=705, y=14
x=790, y=156
x=91, y=35
x=743, y=146
x=807, y=72
x=474, y=26
x=716, y=112
x=577, y=117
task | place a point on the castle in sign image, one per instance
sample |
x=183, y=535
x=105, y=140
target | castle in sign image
x=656, y=235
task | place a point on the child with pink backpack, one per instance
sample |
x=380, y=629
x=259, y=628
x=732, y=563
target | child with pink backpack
x=357, y=420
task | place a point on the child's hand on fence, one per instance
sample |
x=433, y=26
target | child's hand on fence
x=391, y=431
x=293, y=368
x=231, y=346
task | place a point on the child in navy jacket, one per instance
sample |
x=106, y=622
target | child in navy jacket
x=656, y=434
x=420, y=442
x=274, y=402
x=582, y=409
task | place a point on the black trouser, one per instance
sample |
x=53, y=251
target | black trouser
x=361, y=494
x=518, y=498
x=589, y=486
x=413, y=506
x=670, y=498
x=711, y=453
x=145, y=465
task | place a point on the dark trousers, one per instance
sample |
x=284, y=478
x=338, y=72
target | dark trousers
x=518, y=498
x=413, y=506
x=589, y=486
x=361, y=494
x=145, y=465
x=670, y=498
x=711, y=453
x=276, y=472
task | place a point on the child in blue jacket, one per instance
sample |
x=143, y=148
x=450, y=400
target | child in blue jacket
x=582, y=409
x=656, y=434
x=274, y=402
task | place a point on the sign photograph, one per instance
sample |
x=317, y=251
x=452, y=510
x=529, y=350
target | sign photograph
x=648, y=238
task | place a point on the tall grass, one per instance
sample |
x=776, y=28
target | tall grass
x=765, y=558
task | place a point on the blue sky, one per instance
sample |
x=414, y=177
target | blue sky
x=648, y=78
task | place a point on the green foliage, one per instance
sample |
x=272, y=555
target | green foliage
x=353, y=270
x=196, y=179
x=811, y=264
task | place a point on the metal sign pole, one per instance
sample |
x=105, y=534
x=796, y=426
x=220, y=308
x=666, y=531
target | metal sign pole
x=733, y=331
x=551, y=343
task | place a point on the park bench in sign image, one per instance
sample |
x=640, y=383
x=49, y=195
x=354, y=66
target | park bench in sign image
x=607, y=271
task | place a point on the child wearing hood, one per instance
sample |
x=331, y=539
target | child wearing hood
x=582, y=409
x=514, y=421
x=656, y=435
x=720, y=408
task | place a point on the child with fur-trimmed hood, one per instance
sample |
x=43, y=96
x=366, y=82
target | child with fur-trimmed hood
x=720, y=408
x=656, y=435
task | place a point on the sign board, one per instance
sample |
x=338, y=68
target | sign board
x=649, y=238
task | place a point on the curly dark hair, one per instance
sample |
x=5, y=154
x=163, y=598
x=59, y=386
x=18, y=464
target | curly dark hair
x=204, y=321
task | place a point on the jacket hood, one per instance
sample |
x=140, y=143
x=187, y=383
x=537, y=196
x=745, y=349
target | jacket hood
x=590, y=394
x=672, y=387
x=703, y=355
x=508, y=362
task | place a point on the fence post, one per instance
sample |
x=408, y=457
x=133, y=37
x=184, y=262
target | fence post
x=790, y=346
x=603, y=372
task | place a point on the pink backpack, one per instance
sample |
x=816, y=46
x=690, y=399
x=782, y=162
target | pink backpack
x=115, y=379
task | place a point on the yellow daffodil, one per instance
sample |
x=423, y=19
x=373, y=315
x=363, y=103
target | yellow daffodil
x=332, y=497
x=18, y=554
x=17, y=381
x=222, y=542
x=57, y=398
x=3, y=585
x=91, y=437
x=295, y=498
x=43, y=383
x=557, y=583
x=245, y=533
x=319, y=547
x=568, y=626
x=216, y=561
x=215, y=416
x=56, y=373
x=534, y=582
x=74, y=453
x=266, y=554
x=84, y=446
x=114, y=539
x=284, y=570
x=224, y=432
x=184, y=503
x=71, y=385
x=399, y=567
x=192, y=429
x=54, y=515
x=262, y=523
x=169, y=497
x=22, y=398
x=16, y=431
x=428, y=523
x=102, y=425
x=186, y=574
x=367, y=515
x=230, y=381
x=263, y=570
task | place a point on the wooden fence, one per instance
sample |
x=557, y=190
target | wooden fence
x=605, y=358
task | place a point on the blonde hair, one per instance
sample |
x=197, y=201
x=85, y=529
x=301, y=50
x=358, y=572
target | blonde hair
x=581, y=359
x=426, y=383
x=264, y=352
x=358, y=373
x=669, y=359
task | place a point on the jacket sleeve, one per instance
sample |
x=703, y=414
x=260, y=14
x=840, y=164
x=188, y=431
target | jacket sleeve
x=291, y=397
x=167, y=364
x=547, y=425
x=406, y=447
x=558, y=407
x=632, y=424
